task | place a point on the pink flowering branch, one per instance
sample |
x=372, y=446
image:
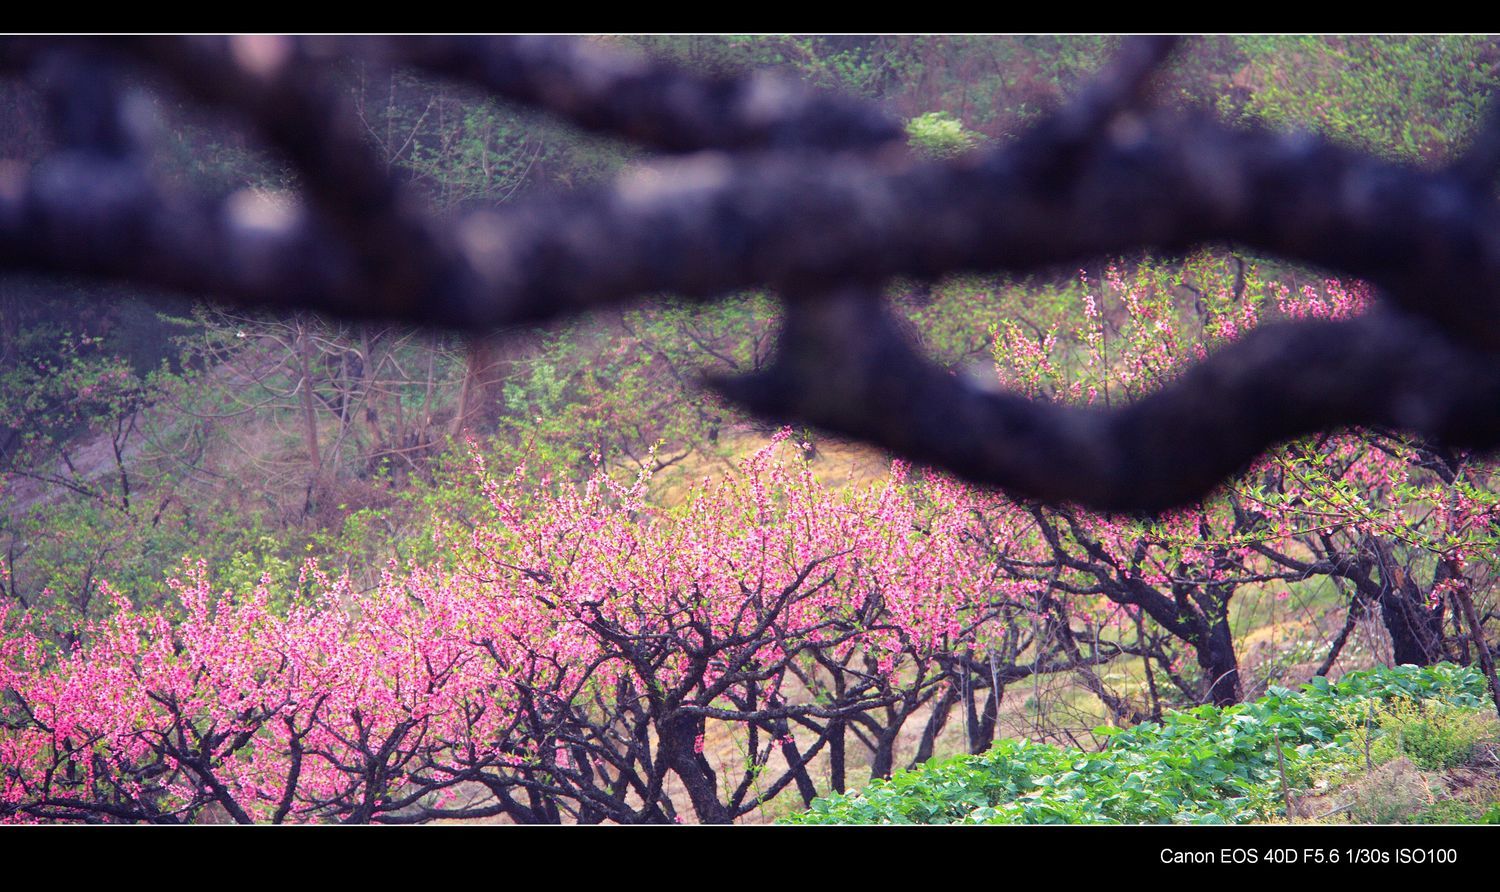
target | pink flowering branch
x=581, y=653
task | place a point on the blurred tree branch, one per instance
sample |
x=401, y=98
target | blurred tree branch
x=815, y=196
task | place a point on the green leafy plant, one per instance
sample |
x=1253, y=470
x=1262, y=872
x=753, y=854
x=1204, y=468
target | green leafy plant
x=1199, y=766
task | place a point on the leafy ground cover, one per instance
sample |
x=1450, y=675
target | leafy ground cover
x=1278, y=757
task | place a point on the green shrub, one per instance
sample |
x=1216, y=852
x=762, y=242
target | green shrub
x=1434, y=735
x=939, y=135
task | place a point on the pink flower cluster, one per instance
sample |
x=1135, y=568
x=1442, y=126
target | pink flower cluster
x=356, y=705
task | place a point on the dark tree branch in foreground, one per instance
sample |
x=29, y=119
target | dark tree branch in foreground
x=841, y=357
x=812, y=195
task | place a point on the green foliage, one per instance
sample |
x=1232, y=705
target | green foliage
x=1201, y=766
x=614, y=389
x=1410, y=98
x=261, y=559
x=406, y=528
x=939, y=135
x=1434, y=735
x=1456, y=811
x=60, y=551
x=64, y=385
x=955, y=324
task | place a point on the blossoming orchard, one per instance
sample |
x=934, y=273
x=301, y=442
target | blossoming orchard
x=570, y=655
x=659, y=429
